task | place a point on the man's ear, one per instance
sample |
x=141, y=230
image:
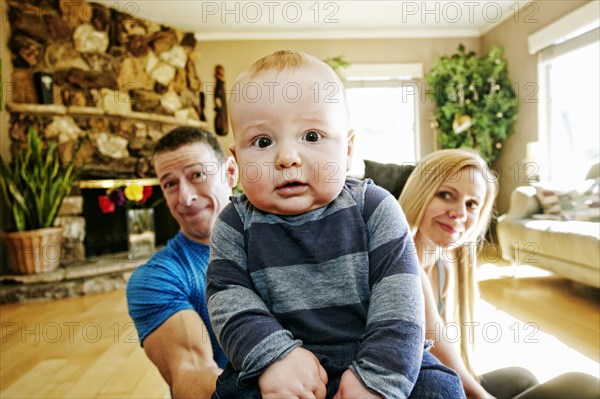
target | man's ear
x=351, y=137
x=232, y=150
x=231, y=171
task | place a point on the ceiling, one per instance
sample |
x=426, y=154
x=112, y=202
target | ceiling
x=346, y=19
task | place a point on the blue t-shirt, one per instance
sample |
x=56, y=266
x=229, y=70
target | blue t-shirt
x=174, y=279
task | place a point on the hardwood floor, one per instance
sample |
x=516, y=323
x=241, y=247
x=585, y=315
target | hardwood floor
x=86, y=347
x=551, y=325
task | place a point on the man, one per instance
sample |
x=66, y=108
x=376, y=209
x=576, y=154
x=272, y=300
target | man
x=166, y=296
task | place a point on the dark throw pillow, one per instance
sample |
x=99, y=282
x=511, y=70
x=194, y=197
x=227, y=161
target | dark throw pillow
x=390, y=176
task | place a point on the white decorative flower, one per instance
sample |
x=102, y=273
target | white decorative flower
x=499, y=115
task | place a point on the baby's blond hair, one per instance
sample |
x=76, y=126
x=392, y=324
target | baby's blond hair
x=284, y=60
x=280, y=60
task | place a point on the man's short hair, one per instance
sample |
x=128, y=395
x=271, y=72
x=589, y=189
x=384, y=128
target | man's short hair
x=184, y=135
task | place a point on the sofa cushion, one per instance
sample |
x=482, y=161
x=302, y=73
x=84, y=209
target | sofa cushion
x=390, y=176
x=573, y=241
x=570, y=202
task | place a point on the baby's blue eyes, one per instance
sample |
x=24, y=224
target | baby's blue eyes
x=262, y=142
x=311, y=136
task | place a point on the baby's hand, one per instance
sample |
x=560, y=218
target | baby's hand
x=298, y=375
x=351, y=387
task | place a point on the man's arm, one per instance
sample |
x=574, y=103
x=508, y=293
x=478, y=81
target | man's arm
x=181, y=350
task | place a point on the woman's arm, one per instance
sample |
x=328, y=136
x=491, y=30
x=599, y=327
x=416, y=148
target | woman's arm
x=448, y=353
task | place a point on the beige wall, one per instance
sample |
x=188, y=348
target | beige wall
x=512, y=35
x=235, y=56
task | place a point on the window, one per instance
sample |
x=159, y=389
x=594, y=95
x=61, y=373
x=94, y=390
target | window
x=383, y=107
x=570, y=72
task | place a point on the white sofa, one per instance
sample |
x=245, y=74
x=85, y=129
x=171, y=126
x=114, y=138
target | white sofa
x=569, y=248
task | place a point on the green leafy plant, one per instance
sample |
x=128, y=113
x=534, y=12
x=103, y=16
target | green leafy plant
x=338, y=64
x=35, y=185
x=476, y=105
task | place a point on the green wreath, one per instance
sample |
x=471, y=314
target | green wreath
x=476, y=105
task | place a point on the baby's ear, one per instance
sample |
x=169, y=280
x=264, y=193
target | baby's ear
x=232, y=171
x=351, y=137
x=232, y=150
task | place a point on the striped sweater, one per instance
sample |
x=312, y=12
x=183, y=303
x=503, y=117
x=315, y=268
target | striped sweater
x=343, y=273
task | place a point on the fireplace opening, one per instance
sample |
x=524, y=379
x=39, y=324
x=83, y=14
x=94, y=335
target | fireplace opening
x=106, y=233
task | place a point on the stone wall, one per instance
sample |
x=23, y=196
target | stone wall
x=119, y=80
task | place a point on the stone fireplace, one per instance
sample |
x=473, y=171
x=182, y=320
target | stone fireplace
x=82, y=71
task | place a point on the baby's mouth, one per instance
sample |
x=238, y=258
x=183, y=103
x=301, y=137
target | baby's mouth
x=291, y=188
x=291, y=184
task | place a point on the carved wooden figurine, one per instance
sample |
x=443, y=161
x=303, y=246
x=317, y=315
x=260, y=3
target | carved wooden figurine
x=220, y=102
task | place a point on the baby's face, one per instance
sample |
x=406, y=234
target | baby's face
x=292, y=140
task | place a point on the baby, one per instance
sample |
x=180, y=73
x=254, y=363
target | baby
x=313, y=289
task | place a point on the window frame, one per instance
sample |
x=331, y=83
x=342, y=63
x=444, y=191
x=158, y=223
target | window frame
x=390, y=75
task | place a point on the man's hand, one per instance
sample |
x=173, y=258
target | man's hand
x=298, y=375
x=351, y=388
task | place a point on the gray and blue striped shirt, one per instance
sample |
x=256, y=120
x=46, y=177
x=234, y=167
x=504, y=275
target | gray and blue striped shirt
x=343, y=273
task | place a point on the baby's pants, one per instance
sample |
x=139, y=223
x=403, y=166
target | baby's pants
x=435, y=380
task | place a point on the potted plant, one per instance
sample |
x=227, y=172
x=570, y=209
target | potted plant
x=33, y=188
x=476, y=105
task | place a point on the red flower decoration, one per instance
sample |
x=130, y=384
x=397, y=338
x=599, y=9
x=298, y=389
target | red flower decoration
x=146, y=194
x=132, y=196
x=106, y=205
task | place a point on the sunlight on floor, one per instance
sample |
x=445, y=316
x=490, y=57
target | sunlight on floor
x=503, y=340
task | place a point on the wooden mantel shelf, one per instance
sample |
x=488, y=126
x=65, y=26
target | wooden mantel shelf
x=112, y=183
x=53, y=109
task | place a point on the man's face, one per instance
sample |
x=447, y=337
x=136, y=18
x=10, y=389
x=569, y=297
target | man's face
x=292, y=140
x=196, y=187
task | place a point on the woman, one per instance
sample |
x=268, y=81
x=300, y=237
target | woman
x=448, y=202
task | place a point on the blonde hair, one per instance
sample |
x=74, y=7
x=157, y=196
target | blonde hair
x=286, y=60
x=418, y=192
x=279, y=61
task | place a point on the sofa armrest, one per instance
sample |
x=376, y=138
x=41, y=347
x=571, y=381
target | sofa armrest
x=523, y=204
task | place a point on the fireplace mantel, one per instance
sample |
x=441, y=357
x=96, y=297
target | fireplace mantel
x=55, y=109
x=112, y=183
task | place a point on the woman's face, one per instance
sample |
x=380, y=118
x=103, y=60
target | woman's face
x=454, y=210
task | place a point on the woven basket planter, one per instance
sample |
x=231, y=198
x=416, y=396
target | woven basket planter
x=34, y=251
